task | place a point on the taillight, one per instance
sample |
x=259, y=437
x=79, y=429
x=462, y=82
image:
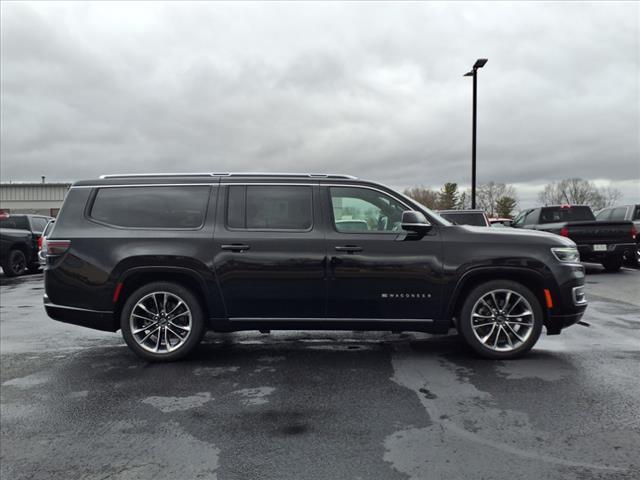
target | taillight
x=39, y=243
x=634, y=232
x=57, y=247
x=564, y=231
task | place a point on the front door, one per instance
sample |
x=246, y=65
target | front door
x=375, y=270
x=269, y=252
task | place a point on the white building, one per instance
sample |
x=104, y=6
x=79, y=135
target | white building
x=39, y=198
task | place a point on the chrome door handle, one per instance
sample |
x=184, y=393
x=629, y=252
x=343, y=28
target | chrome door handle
x=236, y=247
x=349, y=248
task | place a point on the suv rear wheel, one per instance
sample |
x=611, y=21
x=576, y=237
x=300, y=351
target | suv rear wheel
x=501, y=319
x=162, y=321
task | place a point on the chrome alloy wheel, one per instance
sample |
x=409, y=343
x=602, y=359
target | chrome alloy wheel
x=502, y=320
x=160, y=322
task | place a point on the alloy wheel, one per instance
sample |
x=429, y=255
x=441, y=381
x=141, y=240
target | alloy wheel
x=502, y=320
x=160, y=322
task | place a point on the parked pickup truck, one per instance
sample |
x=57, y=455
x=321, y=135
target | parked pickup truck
x=597, y=241
x=19, y=236
x=624, y=212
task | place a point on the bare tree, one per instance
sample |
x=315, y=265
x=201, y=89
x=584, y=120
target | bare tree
x=576, y=191
x=490, y=193
x=425, y=196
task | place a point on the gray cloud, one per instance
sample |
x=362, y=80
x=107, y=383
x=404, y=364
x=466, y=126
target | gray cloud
x=373, y=89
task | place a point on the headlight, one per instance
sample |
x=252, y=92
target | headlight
x=566, y=254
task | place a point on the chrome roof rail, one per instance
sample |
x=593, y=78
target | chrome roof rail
x=227, y=174
x=138, y=175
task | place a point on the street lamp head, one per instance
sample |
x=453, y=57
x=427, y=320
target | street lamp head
x=480, y=63
x=468, y=74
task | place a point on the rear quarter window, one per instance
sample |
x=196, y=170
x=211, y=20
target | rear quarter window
x=151, y=207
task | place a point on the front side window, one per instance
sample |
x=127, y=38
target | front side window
x=270, y=207
x=151, y=207
x=363, y=210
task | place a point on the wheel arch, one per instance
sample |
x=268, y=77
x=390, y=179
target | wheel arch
x=530, y=278
x=134, y=278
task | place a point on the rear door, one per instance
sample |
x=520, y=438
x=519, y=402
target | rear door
x=269, y=255
x=374, y=270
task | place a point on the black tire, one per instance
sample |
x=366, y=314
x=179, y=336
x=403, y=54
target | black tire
x=34, y=268
x=474, y=297
x=192, y=339
x=15, y=263
x=612, y=263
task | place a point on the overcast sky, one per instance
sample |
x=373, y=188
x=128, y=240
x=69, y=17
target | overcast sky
x=370, y=89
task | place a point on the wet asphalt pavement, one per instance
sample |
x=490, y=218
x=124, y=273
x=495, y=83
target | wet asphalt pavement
x=76, y=404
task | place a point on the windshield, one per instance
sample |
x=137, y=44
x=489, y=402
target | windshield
x=14, y=223
x=566, y=214
x=426, y=210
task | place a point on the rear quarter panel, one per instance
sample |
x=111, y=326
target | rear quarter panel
x=101, y=256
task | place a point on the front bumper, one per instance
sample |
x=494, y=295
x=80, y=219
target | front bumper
x=96, y=319
x=558, y=322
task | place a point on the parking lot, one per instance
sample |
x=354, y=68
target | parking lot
x=77, y=403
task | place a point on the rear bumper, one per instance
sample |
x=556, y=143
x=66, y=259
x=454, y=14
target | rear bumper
x=587, y=252
x=96, y=319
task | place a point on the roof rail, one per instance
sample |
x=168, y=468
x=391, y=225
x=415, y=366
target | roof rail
x=135, y=175
x=227, y=174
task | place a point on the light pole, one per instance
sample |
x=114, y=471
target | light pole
x=474, y=73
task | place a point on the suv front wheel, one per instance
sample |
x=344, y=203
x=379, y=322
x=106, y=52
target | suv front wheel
x=501, y=319
x=162, y=321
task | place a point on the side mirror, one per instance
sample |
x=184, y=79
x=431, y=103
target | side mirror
x=414, y=221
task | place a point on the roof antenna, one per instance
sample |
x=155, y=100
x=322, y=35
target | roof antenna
x=43, y=177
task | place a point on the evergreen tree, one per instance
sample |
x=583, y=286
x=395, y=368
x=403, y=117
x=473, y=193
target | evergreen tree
x=448, y=197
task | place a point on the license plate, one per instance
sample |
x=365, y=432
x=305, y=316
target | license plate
x=599, y=248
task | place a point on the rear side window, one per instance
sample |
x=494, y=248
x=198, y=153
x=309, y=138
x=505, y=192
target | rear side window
x=151, y=207
x=566, y=214
x=636, y=214
x=267, y=207
x=14, y=223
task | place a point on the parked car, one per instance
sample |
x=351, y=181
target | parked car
x=620, y=213
x=598, y=241
x=466, y=217
x=500, y=222
x=19, y=236
x=42, y=243
x=165, y=257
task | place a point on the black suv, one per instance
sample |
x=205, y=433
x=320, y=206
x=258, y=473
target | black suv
x=166, y=257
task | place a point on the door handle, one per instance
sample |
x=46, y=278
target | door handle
x=236, y=247
x=349, y=248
